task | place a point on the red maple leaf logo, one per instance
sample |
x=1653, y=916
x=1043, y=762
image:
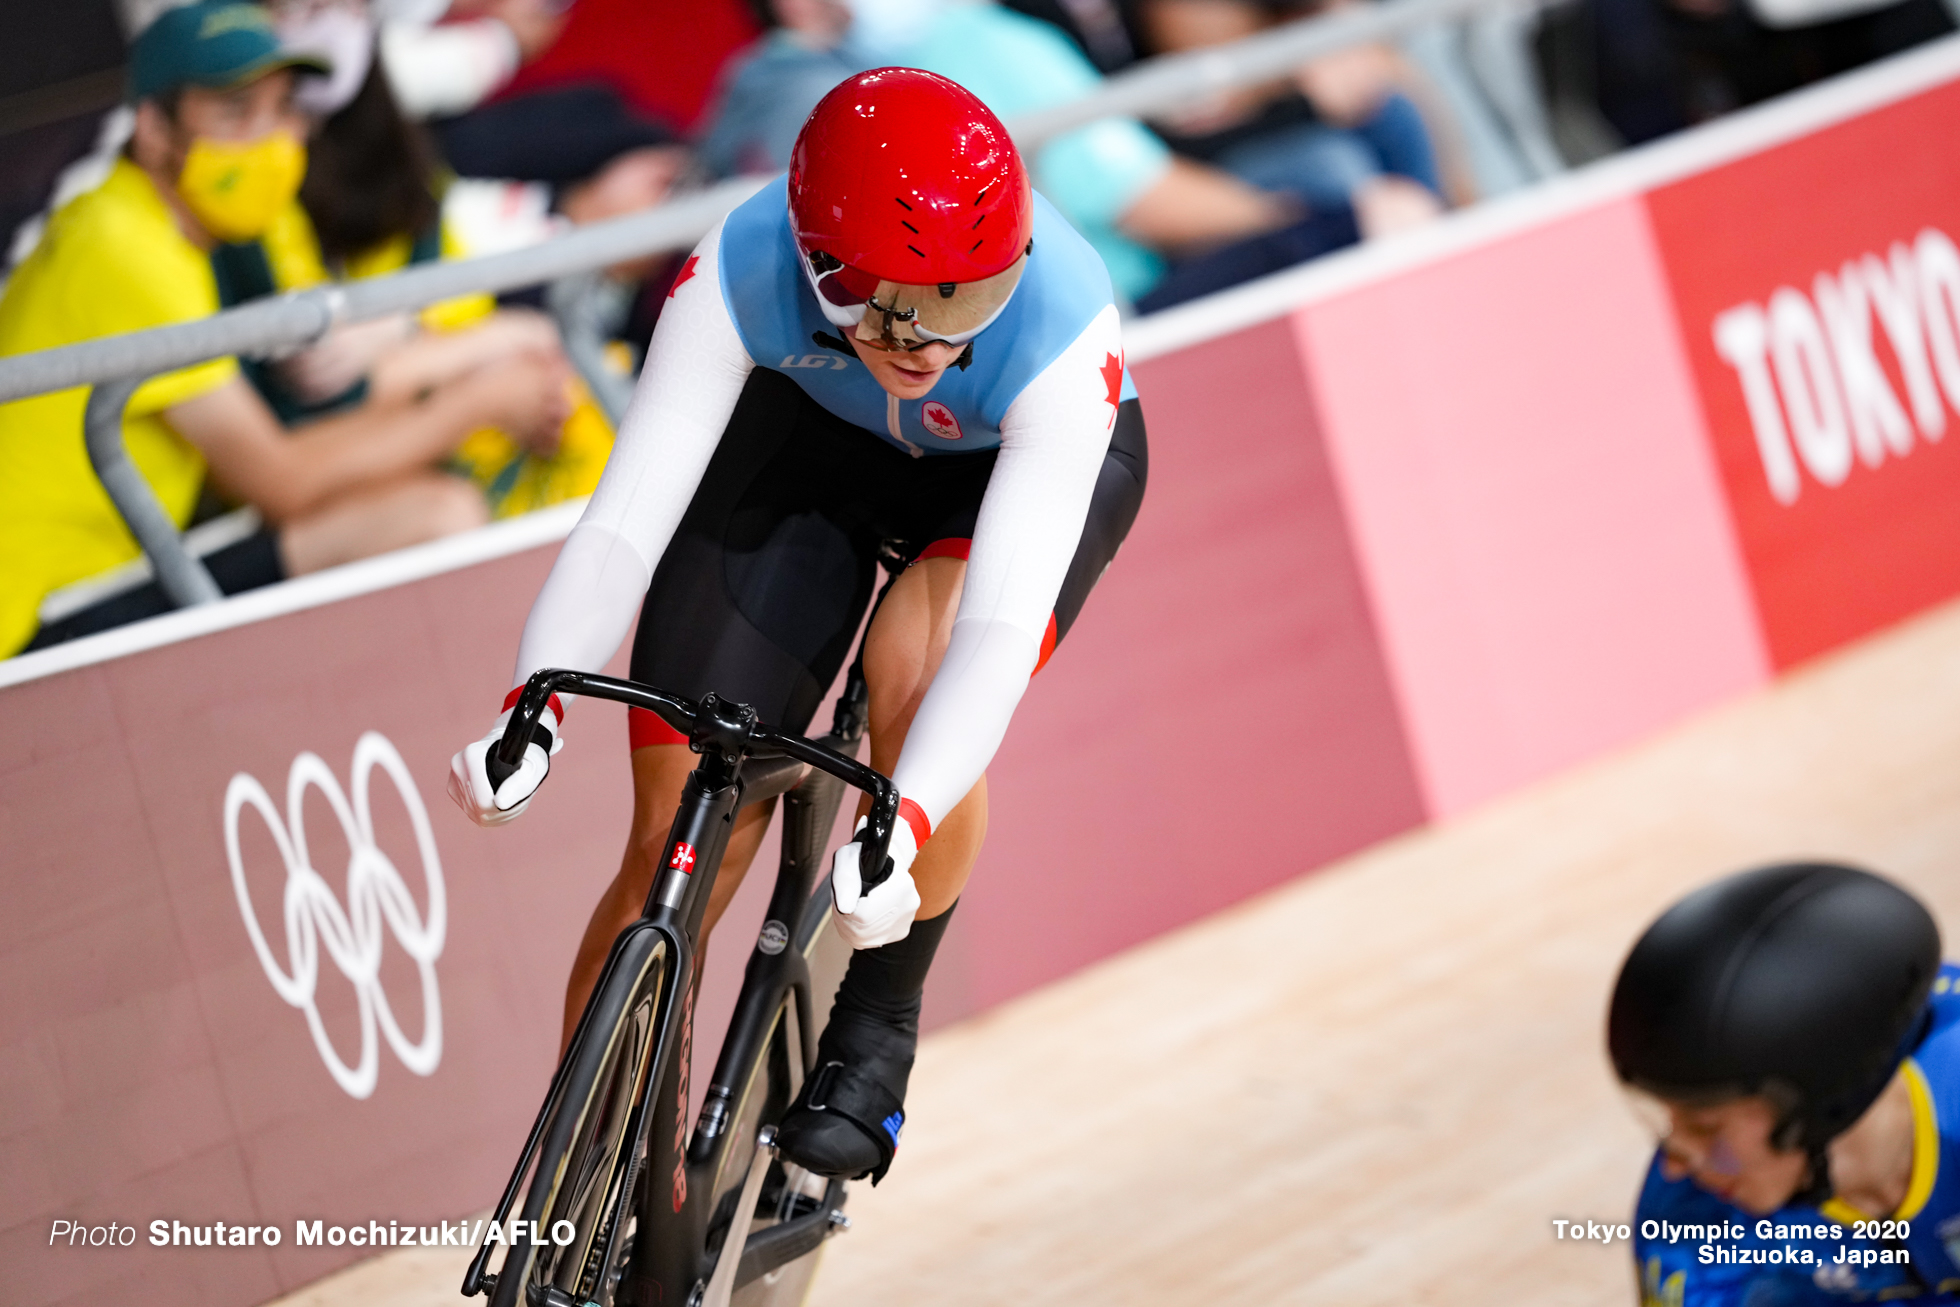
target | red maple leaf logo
x=1112, y=375
x=686, y=274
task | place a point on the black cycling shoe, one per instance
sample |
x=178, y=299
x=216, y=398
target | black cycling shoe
x=847, y=1120
x=849, y=1113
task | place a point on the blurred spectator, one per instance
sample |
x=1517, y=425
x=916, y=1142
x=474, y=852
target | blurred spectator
x=215, y=155
x=449, y=56
x=369, y=206
x=444, y=60
x=564, y=136
x=1732, y=54
x=1106, y=30
x=1342, y=130
x=1655, y=66
x=1168, y=229
x=769, y=88
x=1618, y=54
x=365, y=144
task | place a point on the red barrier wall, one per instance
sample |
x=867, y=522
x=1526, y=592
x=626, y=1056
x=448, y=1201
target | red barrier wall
x=1840, y=483
x=150, y=1069
x=1543, y=531
x=1220, y=719
x=1426, y=521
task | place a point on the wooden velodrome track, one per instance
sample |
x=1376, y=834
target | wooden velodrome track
x=1380, y=1083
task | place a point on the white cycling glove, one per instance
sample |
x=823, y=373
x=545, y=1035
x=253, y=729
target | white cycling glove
x=883, y=914
x=469, y=778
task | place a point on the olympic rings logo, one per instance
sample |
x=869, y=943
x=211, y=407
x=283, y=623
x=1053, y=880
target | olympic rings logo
x=352, y=936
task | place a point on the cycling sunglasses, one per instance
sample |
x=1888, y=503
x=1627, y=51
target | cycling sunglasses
x=891, y=315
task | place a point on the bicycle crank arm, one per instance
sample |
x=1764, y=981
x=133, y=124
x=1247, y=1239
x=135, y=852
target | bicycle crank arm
x=722, y=1283
x=546, y=1296
x=539, y=1295
x=779, y=1245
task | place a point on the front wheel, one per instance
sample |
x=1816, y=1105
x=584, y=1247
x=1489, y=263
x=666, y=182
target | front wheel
x=583, y=1174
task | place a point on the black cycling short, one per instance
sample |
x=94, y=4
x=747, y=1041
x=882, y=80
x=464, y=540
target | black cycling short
x=766, y=581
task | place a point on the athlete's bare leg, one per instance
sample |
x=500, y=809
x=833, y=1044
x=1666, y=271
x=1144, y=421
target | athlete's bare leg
x=902, y=651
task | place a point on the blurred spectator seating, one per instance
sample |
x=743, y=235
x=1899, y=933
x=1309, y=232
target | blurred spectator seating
x=1650, y=67
x=446, y=59
x=215, y=152
x=1344, y=129
x=373, y=202
x=60, y=83
x=576, y=149
x=1168, y=228
x=1472, y=80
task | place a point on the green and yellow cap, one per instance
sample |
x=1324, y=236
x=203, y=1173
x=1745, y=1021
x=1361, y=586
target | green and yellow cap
x=220, y=43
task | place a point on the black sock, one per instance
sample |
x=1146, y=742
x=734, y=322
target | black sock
x=887, y=983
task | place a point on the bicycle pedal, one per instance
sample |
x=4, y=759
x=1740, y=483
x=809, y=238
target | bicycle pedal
x=801, y=1191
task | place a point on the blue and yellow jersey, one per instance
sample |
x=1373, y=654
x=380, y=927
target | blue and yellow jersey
x=1694, y=1250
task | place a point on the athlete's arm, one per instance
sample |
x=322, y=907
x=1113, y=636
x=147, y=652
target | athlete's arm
x=695, y=368
x=1053, y=440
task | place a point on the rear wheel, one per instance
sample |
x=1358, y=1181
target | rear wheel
x=583, y=1175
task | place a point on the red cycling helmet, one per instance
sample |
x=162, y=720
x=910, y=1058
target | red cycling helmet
x=904, y=177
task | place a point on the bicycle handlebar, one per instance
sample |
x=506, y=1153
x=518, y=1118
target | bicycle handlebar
x=737, y=732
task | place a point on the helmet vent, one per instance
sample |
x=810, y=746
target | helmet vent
x=902, y=204
x=908, y=226
x=982, y=195
x=977, y=244
x=916, y=250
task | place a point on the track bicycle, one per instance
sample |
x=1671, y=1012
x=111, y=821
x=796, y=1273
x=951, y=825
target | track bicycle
x=619, y=1202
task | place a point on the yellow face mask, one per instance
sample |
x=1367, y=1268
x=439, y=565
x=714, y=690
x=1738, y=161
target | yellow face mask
x=235, y=188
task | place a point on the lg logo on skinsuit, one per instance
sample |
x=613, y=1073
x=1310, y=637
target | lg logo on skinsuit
x=352, y=935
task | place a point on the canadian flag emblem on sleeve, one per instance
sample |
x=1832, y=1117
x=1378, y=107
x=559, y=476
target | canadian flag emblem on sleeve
x=1112, y=375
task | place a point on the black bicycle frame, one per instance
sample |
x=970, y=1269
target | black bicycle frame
x=741, y=762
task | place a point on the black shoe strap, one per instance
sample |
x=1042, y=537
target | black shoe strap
x=855, y=1095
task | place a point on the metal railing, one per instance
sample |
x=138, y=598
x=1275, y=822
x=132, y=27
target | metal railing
x=117, y=365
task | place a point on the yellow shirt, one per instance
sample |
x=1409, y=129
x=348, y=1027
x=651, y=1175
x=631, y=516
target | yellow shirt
x=112, y=261
x=513, y=481
x=292, y=250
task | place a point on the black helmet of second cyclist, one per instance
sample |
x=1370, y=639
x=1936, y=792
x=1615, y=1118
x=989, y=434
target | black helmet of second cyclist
x=1804, y=982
